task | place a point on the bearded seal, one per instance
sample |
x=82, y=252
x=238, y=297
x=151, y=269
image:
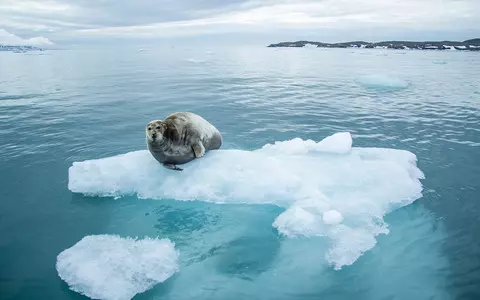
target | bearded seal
x=180, y=138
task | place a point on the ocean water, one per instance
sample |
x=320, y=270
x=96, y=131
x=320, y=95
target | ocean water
x=69, y=106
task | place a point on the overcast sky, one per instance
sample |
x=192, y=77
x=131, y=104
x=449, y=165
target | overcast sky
x=91, y=21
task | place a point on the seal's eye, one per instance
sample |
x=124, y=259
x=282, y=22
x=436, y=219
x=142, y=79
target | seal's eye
x=149, y=128
x=158, y=127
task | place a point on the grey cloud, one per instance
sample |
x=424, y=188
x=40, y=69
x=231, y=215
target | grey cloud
x=67, y=19
x=124, y=12
x=109, y=13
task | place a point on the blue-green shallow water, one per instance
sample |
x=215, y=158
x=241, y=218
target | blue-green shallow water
x=66, y=106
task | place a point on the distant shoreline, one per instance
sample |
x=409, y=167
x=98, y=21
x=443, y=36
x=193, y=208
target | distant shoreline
x=468, y=45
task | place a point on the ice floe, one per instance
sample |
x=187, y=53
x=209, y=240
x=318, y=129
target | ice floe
x=115, y=268
x=329, y=189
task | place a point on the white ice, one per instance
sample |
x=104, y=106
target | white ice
x=380, y=81
x=196, y=60
x=111, y=267
x=328, y=189
x=332, y=217
x=308, y=45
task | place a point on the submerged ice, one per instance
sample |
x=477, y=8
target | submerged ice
x=382, y=82
x=328, y=188
x=111, y=267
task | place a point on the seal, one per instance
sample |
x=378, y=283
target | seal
x=180, y=138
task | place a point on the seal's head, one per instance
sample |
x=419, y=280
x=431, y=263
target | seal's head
x=155, y=130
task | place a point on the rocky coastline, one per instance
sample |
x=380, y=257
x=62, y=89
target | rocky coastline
x=468, y=45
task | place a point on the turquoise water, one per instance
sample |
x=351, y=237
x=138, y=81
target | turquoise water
x=73, y=105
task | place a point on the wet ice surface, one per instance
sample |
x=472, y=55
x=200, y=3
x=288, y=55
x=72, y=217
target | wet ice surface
x=329, y=189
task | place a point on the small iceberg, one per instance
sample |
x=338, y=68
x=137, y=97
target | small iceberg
x=328, y=189
x=115, y=268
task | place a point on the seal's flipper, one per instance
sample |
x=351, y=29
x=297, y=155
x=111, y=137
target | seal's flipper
x=198, y=149
x=172, y=167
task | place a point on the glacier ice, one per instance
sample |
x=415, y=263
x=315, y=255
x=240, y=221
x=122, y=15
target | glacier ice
x=329, y=189
x=382, y=82
x=112, y=267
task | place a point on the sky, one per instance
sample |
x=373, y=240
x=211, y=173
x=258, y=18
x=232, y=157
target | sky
x=47, y=22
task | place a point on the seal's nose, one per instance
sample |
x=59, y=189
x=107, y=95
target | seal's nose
x=154, y=135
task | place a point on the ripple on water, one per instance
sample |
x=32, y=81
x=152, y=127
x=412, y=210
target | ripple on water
x=79, y=105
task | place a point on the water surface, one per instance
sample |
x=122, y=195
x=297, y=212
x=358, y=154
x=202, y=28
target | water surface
x=73, y=105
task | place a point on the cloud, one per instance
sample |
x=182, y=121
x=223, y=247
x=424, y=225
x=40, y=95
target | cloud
x=326, y=14
x=166, y=18
x=7, y=38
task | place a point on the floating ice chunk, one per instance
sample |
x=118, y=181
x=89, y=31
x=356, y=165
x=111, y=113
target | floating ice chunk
x=382, y=82
x=332, y=217
x=196, y=60
x=439, y=62
x=111, y=267
x=341, y=197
